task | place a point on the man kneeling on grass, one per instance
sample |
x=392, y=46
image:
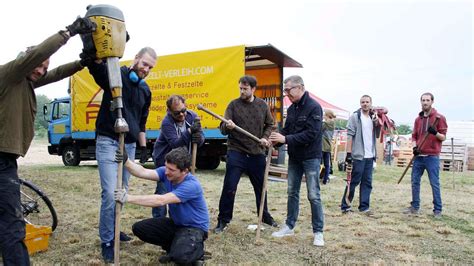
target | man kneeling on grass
x=182, y=235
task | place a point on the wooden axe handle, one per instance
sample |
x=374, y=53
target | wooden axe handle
x=237, y=128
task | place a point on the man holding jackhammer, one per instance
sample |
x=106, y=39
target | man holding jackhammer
x=362, y=131
x=428, y=134
x=182, y=235
x=245, y=155
x=180, y=128
x=302, y=134
x=18, y=79
x=136, y=101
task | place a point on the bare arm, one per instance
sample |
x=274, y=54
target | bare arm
x=349, y=144
x=141, y=172
x=153, y=200
x=142, y=139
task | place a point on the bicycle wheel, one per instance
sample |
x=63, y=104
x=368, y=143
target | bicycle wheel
x=36, y=206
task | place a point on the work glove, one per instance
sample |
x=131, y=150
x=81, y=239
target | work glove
x=196, y=126
x=87, y=59
x=196, y=137
x=121, y=158
x=143, y=155
x=120, y=195
x=416, y=151
x=432, y=130
x=81, y=26
x=349, y=158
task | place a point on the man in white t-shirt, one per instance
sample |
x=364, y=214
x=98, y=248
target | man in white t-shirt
x=362, y=131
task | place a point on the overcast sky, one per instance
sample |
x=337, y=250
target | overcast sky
x=391, y=50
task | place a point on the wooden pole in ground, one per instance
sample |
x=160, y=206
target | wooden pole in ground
x=348, y=183
x=193, y=158
x=264, y=193
x=118, y=205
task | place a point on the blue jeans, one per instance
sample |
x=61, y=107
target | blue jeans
x=105, y=154
x=12, y=224
x=361, y=174
x=327, y=164
x=431, y=164
x=237, y=164
x=295, y=174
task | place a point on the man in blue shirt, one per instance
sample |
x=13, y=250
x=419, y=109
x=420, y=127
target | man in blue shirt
x=179, y=128
x=182, y=235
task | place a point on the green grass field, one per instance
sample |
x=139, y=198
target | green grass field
x=388, y=237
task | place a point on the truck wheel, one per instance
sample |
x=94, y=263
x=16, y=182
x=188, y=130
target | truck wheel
x=207, y=163
x=71, y=156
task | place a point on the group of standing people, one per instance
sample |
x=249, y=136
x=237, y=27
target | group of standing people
x=183, y=233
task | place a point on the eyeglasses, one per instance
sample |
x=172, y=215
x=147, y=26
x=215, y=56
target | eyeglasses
x=176, y=113
x=287, y=90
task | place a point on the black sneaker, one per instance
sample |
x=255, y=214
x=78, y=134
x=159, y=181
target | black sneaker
x=270, y=222
x=220, y=227
x=164, y=259
x=108, y=252
x=124, y=237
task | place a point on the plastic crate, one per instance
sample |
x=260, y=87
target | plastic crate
x=37, y=238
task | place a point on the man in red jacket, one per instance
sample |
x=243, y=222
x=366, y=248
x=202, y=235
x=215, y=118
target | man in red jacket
x=430, y=125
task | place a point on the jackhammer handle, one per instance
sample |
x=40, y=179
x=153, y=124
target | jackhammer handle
x=237, y=128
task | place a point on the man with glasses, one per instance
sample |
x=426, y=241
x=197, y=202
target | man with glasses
x=244, y=155
x=179, y=128
x=302, y=134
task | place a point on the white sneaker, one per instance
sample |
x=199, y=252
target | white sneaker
x=318, y=239
x=285, y=231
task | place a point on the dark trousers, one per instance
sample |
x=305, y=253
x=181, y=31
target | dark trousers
x=237, y=164
x=361, y=174
x=182, y=243
x=12, y=225
x=327, y=165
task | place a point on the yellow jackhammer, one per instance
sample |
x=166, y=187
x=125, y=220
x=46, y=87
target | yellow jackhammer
x=108, y=43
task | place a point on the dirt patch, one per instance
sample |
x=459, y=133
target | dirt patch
x=38, y=155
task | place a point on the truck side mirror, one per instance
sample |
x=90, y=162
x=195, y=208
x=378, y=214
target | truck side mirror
x=45, y=113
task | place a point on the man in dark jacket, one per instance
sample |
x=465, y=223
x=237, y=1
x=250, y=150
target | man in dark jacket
x=302, y=134
x=136, y=97
x=179, y=128
x=430, y=125
x=18, y=79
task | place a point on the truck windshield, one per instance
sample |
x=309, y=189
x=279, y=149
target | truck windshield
x=60, y=110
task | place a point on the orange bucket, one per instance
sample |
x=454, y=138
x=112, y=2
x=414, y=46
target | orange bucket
x=37, y=238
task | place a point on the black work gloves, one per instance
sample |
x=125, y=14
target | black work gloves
x=81, y=26
x=121, y=157
x=196, y=137
x=416, y=152
x=432, y=130
x=143, y=155
x=349, y=158
x=87, y=59
x=196, y=126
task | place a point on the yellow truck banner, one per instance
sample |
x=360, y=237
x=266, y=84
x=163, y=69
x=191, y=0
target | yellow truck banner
x=208, y=77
